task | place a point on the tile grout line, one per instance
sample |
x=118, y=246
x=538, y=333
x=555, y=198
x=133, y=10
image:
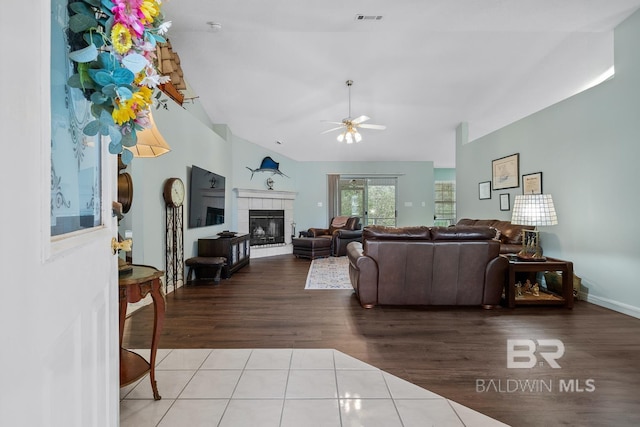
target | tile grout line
x=455, y=412
x=185, y=386
x=286, y=386
x=234, y=388
x=393, y=400
x=335, y=375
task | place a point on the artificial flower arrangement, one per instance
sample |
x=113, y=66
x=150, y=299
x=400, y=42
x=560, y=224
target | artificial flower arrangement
x=113, y=47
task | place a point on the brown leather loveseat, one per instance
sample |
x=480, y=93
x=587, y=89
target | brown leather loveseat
x=427, y=266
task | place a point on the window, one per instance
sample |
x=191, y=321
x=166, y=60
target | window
x=75, y=157
x=373, y=199
x=445, y=203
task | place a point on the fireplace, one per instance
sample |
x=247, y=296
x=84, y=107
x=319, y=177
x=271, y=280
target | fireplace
x=266, y=227
x=250, y=199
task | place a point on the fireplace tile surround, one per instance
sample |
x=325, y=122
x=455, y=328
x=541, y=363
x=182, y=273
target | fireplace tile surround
x=248, y=199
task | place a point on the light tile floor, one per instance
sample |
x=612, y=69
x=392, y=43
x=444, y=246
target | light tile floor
x=283, y=387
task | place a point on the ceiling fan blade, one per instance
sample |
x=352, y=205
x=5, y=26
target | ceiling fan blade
x=335, y=123
x=372, y=126
x=360, y=119
x=331, y=130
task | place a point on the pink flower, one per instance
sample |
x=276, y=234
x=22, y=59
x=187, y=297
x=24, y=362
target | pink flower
x=127, y=12
x=143, y=120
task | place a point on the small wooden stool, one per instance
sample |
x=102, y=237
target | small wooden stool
x=205, y=267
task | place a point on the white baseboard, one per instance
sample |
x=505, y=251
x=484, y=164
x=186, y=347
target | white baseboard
x=611, y=304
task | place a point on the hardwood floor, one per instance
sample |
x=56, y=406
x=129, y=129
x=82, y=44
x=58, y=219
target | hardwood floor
x=459, y=353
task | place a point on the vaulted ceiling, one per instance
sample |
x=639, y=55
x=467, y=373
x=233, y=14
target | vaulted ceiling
x=276, y=69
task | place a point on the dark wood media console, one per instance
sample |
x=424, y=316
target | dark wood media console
x=235, y=249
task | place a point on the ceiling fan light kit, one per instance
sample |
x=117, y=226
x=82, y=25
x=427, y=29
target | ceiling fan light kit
x=350, y=126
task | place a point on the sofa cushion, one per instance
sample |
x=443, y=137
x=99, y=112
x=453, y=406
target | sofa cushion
x=463, y=232
x=467, y=221
x=510, y=234
x=337, y=223
x=343, y=223
x=396, y=233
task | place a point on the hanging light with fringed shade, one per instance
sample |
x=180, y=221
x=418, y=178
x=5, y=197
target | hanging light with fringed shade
x=151, y=143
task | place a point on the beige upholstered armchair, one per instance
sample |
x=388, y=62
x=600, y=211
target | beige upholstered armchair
x=341, y=231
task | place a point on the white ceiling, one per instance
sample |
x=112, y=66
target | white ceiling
x=278, y=68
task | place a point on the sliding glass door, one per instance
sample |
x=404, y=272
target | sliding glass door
x=373, y=199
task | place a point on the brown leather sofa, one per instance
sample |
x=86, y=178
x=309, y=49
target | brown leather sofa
x=341, y=231
x=427, y=266
x=510, y=235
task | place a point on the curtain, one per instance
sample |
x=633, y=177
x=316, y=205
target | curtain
x=333, y=194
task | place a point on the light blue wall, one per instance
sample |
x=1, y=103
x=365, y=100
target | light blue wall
x=444, y=174
x=415, y=188
x=249, y=155
x=587, y=148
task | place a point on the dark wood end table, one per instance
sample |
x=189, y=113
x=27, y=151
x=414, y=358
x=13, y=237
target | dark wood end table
x=551, y=264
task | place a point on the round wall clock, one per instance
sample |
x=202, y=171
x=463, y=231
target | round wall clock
x=174, y=192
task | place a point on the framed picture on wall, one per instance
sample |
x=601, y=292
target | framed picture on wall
x=506, y=172
x=532, y=183
x=505, y=204
x=484, y=190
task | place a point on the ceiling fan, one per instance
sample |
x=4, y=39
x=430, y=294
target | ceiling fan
x=349, y=126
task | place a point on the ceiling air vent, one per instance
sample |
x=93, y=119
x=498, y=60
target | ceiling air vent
x=361, y=17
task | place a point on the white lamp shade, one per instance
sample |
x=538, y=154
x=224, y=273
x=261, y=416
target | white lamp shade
x=534, y=209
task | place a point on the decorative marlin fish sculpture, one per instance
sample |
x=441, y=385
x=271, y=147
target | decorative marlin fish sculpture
x=267, y=165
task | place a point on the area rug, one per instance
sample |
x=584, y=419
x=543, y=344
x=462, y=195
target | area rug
x=329, y=273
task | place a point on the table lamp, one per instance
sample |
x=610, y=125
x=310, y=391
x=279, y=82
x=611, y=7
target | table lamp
x=536, y=210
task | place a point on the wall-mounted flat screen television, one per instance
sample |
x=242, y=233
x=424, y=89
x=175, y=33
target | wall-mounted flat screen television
x=206, y=198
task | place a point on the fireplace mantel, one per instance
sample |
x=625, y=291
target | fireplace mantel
x=248, y=199
x=248, y=193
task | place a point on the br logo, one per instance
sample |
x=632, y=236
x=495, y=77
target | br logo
x=521, y=353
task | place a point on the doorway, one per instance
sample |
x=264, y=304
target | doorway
x=373, y=199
